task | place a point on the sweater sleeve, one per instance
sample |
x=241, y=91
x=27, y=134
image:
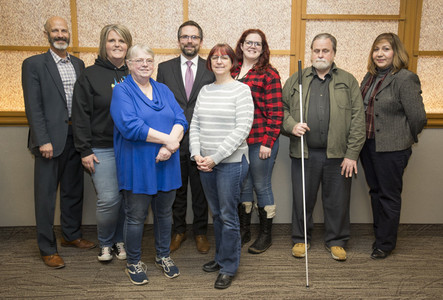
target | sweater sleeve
x=194, y=131
x=178, y=111
x=123, y=112
x=244, y=115
x=82, y=107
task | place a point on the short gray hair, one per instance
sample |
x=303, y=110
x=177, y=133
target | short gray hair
x=326, y=36
x=134, y=49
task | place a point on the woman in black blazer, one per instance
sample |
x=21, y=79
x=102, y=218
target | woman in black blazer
x=395, y=115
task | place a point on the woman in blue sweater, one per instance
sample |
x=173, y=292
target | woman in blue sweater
x=149, y=125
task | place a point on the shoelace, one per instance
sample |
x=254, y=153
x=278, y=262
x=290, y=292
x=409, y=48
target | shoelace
x=140, y=267
x=167, y=261
x=120, y=247
x=106, y=250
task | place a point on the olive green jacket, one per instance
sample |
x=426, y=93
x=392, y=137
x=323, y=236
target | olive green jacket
x=347, y=129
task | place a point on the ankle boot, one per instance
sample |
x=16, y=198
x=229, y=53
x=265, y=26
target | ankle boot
x=264, y=239
x=245, y=224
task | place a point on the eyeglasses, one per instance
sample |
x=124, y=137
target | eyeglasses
x=141, y=61
x=221, y=57
x=251, y=43
x=192, y=37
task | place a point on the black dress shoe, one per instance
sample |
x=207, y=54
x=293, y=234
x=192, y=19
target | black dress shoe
x=211, y=266
x=223, y=281
x=380, y=254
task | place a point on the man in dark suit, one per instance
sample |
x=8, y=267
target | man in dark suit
x=185, y=76
x=48, y=80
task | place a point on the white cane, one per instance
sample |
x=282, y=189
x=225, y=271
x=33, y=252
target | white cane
x=303, y=170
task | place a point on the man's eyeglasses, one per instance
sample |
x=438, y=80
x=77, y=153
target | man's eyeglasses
x=251, y=43
x=141, y=61
x=192, y=37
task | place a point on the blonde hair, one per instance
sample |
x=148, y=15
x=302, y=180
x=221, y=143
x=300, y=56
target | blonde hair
x=121, y=30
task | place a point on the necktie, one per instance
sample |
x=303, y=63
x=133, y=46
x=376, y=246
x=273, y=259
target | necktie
x=189, y=79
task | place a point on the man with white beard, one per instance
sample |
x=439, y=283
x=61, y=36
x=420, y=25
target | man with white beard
x=48, y=82
x=333, y=129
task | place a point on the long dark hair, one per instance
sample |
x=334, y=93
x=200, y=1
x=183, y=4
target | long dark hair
x=263, y=60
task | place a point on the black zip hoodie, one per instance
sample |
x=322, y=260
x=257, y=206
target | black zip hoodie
x=91, y=120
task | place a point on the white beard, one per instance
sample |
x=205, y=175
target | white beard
x=57, y=46
x=321, y=64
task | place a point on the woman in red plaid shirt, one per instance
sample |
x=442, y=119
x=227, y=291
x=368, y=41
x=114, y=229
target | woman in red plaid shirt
x=255, y=70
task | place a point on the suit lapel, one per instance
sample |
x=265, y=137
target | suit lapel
x=53, y=71
x=178, y=77
x=386, y=82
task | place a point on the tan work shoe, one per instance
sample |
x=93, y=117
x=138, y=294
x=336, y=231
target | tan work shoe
x=299, y=250
x=202, y=243
x=177, y=239
x=338, y=253
x=54, y=261
x=78, y=243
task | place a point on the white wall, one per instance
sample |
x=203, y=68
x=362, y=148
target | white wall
x=422, y=192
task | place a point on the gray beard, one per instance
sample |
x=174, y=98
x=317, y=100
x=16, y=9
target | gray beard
x=321, y=65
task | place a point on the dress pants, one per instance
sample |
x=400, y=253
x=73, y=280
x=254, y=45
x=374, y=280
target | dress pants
x=189, y=172
x=384, y=175
x=67, y=171
x=336, y=192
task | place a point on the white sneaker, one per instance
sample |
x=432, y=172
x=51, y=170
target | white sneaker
x=119, y=250
x=105, y=254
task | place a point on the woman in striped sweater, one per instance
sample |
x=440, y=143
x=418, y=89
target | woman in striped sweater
x=221, y=123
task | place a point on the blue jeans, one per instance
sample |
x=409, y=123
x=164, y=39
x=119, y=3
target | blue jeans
x=110, y=214
x=222, y=188
x=259, y=176
x=136, y=209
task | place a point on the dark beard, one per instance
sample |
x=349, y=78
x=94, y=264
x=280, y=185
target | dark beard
x=189, y=53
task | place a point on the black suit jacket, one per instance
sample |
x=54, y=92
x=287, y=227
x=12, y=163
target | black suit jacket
x=45, y=102
x=169, y=73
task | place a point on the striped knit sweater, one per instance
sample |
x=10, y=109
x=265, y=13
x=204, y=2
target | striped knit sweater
x=221, y=122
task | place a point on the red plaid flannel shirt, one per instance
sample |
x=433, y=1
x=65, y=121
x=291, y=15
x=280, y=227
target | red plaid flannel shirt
x=268, y=107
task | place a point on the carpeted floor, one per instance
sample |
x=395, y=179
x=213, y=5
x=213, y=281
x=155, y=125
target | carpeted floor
x=414, y=271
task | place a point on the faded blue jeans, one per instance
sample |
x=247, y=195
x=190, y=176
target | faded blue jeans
x=259, y=176
x=222, y=188
x=110, y=214
x=136, y=208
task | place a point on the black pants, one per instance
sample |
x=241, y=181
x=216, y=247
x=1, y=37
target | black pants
x=67, y=171
x=190, y=173
x=384, y=175
x=336, y=192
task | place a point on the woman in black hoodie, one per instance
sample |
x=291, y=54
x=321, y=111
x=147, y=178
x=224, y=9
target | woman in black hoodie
x=93, y=134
